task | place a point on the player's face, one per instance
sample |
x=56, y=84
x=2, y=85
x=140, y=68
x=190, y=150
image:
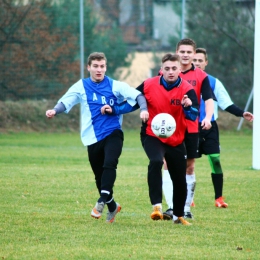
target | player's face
x=199, y=60
x=97, y=70
x=186, y=53
x=171, y=70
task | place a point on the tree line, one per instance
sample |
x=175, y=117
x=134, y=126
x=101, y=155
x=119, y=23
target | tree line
x=39, y=43
x=39, y=46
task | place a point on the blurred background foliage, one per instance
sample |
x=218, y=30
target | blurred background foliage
x=40, y=40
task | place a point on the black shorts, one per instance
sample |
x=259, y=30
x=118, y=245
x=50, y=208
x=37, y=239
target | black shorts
x=209, y=140
x=192, y=145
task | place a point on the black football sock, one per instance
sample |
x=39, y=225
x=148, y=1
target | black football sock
x=217, y=180
x=111, y=205
x=103, y=198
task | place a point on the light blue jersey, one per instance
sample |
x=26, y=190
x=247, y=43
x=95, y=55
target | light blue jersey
x=223, y=98
x=92, y=96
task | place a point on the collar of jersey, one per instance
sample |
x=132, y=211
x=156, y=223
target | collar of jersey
x=192, y=68
x=167, y=86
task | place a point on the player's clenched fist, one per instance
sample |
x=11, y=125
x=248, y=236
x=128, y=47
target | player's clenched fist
x=144, y=115
x=50, y=113
x=106, y=109
x=186, y=102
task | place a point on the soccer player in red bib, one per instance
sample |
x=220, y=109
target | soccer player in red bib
x=171, y=94
x=199, y=81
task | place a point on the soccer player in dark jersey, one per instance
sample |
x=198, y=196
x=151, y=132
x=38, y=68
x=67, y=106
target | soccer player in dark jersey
x=209, y=139
x=167, y=94
x=199, y=81
x=101, y=134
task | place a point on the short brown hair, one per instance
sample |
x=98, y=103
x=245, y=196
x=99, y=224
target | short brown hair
x=170, y=56
x=96, y=56
x=203, y=51
x=186, y=41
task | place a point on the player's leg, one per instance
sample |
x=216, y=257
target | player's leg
x=191, y=142
x=103, y=157
x=191, y=184
x=211, y=148
x=112, y=149
x=176, y=161
x=167, y=191
x=96, y=159
x=154, y=149
x=217, y=179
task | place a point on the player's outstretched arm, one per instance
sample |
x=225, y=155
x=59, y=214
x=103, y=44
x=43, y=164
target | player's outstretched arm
x=144, y=115
x=122, y=108
x=59, y=108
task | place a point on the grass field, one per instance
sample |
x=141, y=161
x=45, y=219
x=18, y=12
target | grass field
x=48, y=190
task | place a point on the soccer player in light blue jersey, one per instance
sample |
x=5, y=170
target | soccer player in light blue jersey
x=209, y=139
x=101, y=133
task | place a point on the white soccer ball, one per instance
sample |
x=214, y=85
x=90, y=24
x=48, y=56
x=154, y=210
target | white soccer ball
x=163, y=125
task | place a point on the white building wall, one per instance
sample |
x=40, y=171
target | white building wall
x=166, y=23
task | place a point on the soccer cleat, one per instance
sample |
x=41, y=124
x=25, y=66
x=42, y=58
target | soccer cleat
x=111, y=215
x=157, y=213
x=97, y=210
x=192, y=204
x=188, y=215
x=220, y=203
x=168, y=214
x=182, y=221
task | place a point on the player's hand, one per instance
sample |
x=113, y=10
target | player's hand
x=248, y=116
x=106, y=109
x=50, y=113
x=144, y=115
x=186, y=102
x=206, y=124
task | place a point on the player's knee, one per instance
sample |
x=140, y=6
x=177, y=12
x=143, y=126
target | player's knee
x=111, y=164
x=214, y=160
x=156, y=163
x=190, y=166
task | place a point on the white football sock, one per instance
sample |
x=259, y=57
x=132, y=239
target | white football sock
x=191, y=182
x=167, y=188
x=158, y=205
x=174, y=217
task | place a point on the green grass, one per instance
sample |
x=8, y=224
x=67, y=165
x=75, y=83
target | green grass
x=48, y=190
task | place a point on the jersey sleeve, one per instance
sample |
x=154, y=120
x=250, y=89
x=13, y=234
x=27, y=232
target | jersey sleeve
x=141, y=88
x=206, y=90
x=222, y=95
x=123, y=108
x=193, y=97
x=73, y=96
x=124, y=92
